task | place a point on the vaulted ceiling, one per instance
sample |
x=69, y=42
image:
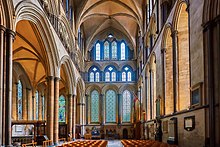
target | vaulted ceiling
x=98, y=16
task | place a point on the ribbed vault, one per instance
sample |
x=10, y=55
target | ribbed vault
x=96, y=16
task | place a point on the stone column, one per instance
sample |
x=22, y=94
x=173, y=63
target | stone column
x=83, y=118
x=151, y=95
x=29, y=103
x=163, y=54
x=74, y=117
x=146, y=95
x=140, y=91
x=45, y=104
x=87, y=109
x=33, y=106
x=102, y=111
x=56, y=110
x=24, y=104
x=70, y=114
x=14, y=101
x=119, y=108
x=50, y=107
x=175, y=69
x=8, y=85
x=40, y=105
x=2, y=31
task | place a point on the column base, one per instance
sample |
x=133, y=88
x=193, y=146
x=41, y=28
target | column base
x=55, y=144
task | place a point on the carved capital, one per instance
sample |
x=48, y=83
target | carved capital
x=11, y=33
x=174, y=33
x=163, y=50
x=2, y=28
x=49, y=78
x=56, y=79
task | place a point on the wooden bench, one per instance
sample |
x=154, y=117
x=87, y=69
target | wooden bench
x=47, y=143
x=85, y=143
x=30, y=144
x=145, y=143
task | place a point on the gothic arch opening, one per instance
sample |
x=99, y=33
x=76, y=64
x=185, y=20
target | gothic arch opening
x=183, y=101
x=169, y=104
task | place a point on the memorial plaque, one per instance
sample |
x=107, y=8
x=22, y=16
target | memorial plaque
x=189, y=123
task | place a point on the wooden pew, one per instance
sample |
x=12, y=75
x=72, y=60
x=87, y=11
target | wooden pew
x=47, y=143
x=30, y=144
x=145, y=143
x=85, y=143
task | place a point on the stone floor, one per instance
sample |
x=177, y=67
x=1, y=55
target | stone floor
x=114, y=143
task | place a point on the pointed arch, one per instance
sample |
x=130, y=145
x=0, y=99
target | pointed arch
x=68, y=66
x=27, y=11
x=181, y=27
x=167, y=45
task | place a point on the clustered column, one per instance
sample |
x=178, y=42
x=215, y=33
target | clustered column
x=56, y=110
x=14, y=101
x=24, y=104
x=8, y=85
x=82, y=116
x=87, y=109
x=29, y=103
x=34, y=105
x=175, y=69
x=70, y=115
x=74, y=117
x=163, y=53
x=6, y=40
x=40, y=106
x=2, y=30
x=146, y=95
x=151, y=94
x=50, y=108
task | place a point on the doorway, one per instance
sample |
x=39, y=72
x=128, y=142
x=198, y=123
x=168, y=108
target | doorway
x=125, y=133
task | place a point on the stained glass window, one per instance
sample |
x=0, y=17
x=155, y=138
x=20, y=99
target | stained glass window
x=62, y=109
x=123, y=76
x=126, y=108
x=97, y=77
x=95, y=106
x=106, y=50
x=97, y=51
x=110, y=68
x=91, y=77
x=37, y=103
x=107, y=76
x=129, y=76
x=19, y=97
x=110, y=106
x=114, y=50
x=113, y=76
x=122, y=51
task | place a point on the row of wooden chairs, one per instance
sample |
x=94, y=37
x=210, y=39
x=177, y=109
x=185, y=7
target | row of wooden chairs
x=62, y=140
x=85, y=143
x=47, y=143
x=33, y=144
x=145, y=143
